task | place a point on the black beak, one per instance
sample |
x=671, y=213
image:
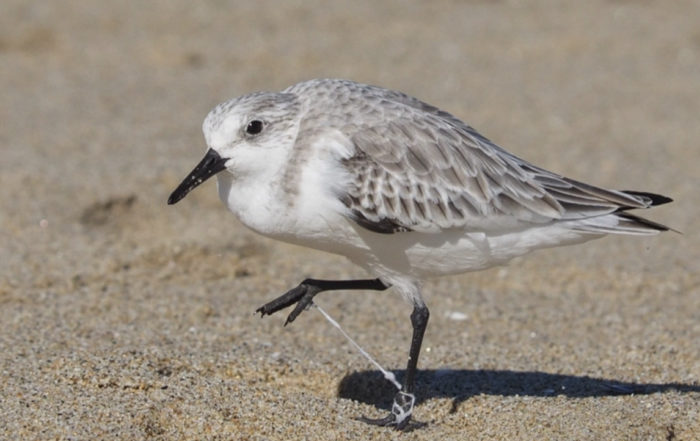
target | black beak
x=210, y=165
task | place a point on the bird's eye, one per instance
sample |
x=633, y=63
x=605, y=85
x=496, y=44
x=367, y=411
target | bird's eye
x=254, y=127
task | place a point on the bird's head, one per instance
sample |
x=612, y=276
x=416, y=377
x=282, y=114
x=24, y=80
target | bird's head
x=245, y=136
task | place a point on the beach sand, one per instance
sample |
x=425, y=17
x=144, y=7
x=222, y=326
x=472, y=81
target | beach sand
x=124, y=318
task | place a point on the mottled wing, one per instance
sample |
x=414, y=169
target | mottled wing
x=419, y=168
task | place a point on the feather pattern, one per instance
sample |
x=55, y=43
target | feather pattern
x=415, y=167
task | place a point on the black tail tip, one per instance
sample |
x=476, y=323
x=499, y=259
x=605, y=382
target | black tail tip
x=656, y=199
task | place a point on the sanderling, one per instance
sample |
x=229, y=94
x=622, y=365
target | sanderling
x=399, y=187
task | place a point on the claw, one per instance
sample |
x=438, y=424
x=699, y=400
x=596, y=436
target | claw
x=289, y=298
x=303, y=304
x=400, y=415
x=302, y=295
x=386, y=421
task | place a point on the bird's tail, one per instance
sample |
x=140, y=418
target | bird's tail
x=622, y=222
x=652, y=198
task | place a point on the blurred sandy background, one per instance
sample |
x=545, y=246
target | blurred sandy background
x=124, y=318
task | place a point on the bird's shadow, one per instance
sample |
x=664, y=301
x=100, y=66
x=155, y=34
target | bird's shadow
x=370, y=387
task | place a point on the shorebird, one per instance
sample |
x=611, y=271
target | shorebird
x=399, y=187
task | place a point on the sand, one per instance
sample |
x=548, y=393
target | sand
x=124, y=318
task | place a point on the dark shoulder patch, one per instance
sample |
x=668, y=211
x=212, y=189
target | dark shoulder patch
x=383, y=226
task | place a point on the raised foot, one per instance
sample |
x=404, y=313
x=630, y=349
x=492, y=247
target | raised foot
x=400, y=416
x=302, y=295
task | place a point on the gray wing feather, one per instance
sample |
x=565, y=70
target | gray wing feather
x=423, y=169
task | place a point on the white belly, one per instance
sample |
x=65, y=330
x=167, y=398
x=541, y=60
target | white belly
x=401, y=259
x=423, y=255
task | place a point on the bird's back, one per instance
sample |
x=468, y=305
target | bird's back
x=414, y=167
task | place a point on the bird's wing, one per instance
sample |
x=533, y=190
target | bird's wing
x=419, y=168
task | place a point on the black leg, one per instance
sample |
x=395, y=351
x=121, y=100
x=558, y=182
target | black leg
x=304, y=293
x=404, y=399
x=419, y=321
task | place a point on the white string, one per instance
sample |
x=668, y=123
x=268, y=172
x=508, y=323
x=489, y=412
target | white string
x=388, y=375
x=398, y=409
